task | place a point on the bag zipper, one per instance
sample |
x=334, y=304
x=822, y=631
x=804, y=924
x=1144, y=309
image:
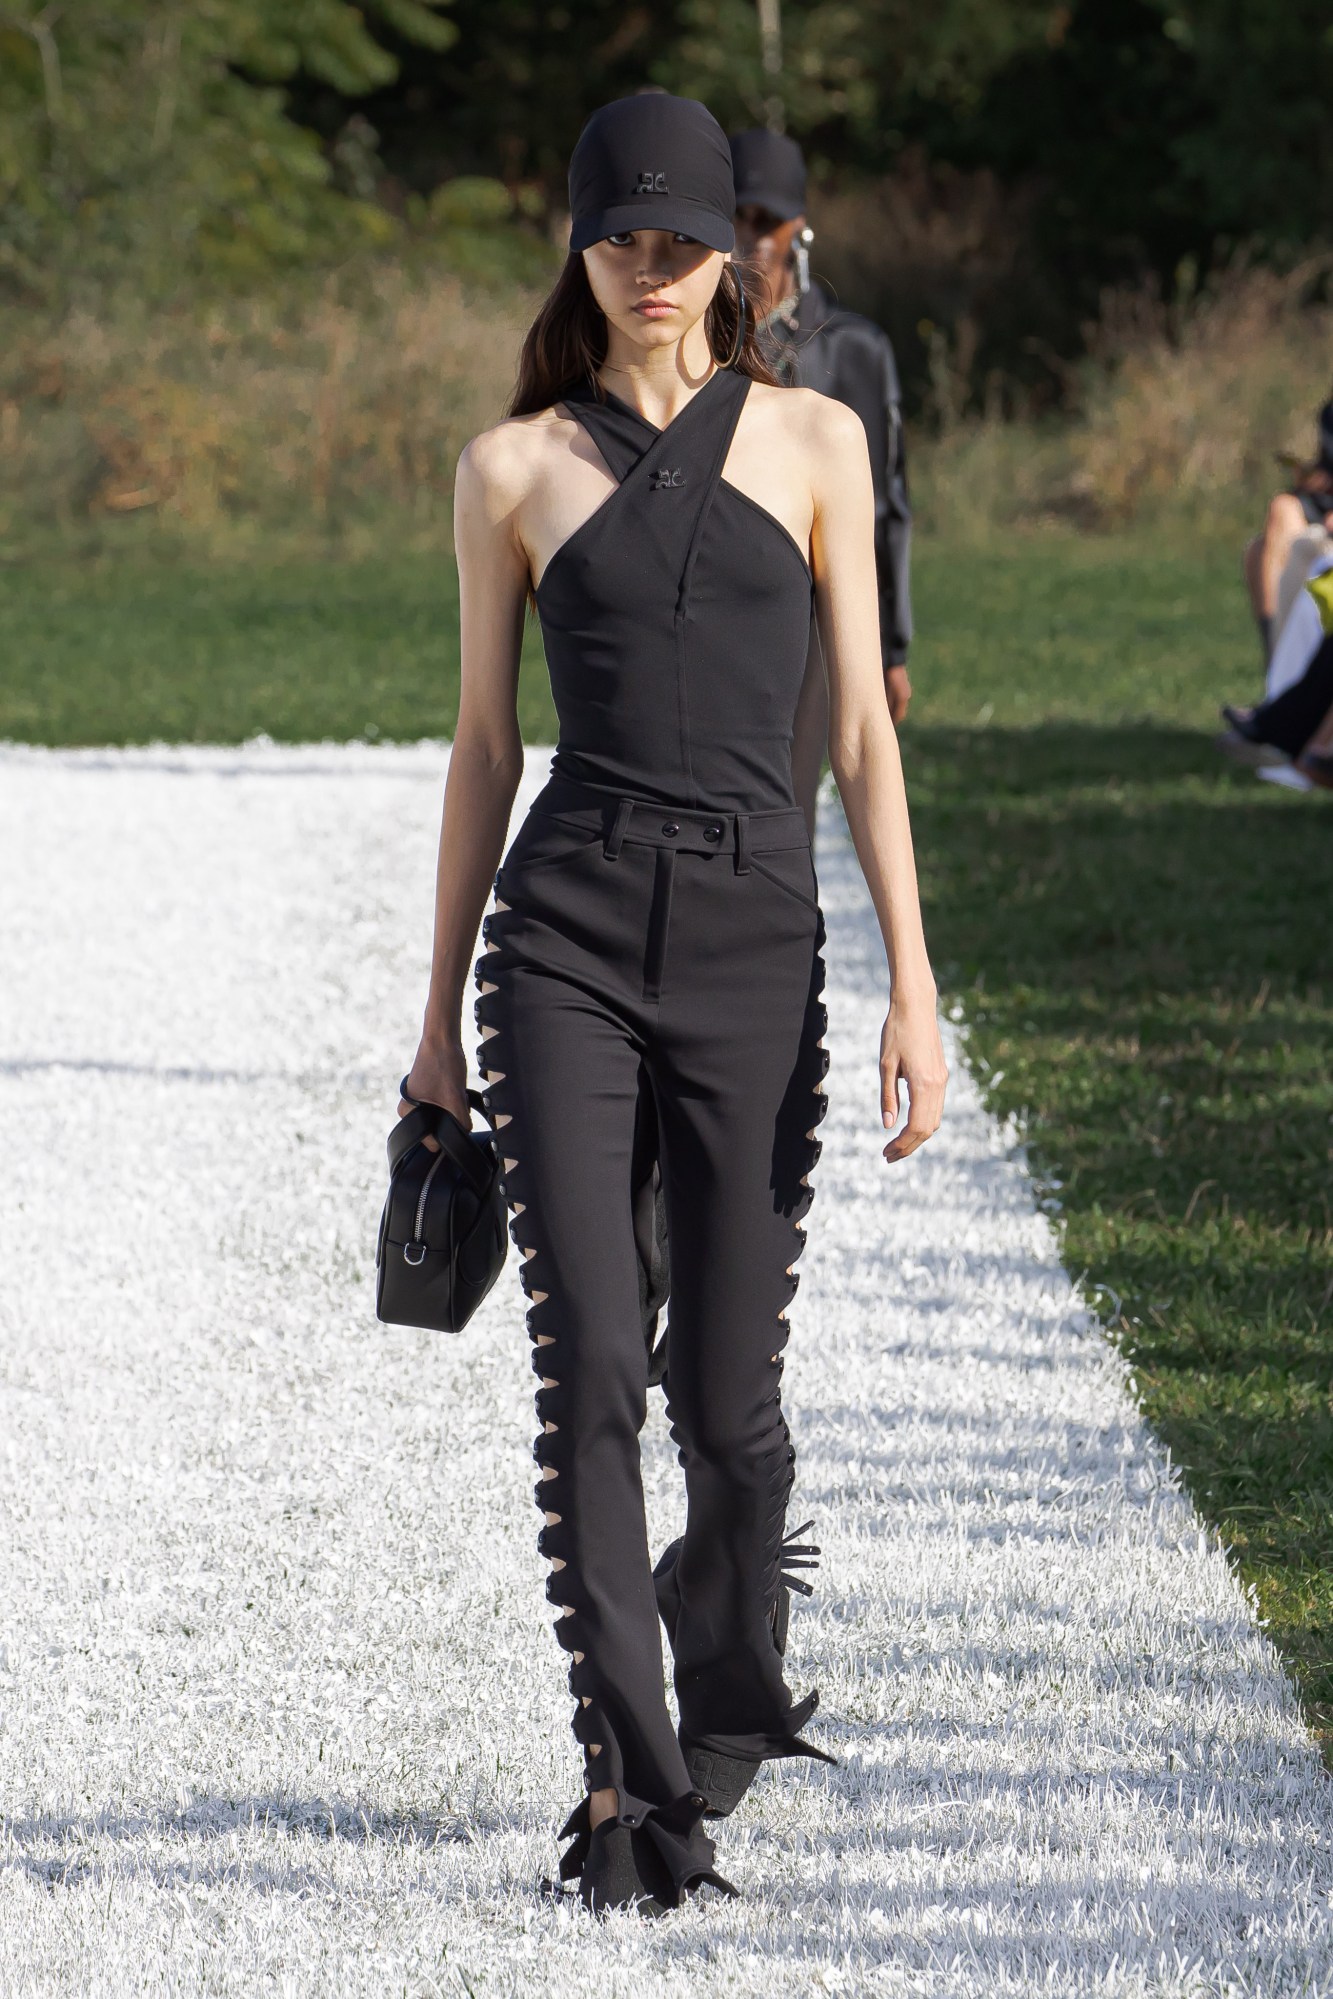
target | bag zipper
x=421, y=1200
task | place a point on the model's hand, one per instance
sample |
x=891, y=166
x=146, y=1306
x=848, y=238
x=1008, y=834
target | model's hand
x=439, y=1076
x=911, y=1052
x=899, y=690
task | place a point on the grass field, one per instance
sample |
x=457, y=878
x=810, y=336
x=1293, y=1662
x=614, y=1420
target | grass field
x=1138, y=935
x=149, y=651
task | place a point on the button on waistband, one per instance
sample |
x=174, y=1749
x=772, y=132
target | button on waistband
x=670, y=827
x=712, y=832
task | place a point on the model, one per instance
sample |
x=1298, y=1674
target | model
x=677, y=517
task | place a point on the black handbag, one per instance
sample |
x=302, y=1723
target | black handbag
x=444, y=1231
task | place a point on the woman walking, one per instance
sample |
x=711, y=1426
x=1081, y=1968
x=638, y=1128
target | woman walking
x=675, y=515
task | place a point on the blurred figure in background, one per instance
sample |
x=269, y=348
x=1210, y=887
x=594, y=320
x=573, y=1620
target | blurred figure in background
x=1294, y=727
x=811, y=341
x=1296, y=532
x=1293, y=724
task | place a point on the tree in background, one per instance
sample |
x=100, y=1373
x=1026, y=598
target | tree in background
x=150, y=136
x=509, y=97
x=1156, y=127
x=1164, y=130
x=1133, y=138
x=1009, y=157
x=855, y=77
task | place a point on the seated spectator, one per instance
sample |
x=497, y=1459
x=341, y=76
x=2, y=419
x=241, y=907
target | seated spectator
x=1306, y=601
x=1305, y=608
x=1307, y=559
x=1296, y=725
x=1306, y=505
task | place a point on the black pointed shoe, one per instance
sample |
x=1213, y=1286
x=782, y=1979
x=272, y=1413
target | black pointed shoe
x=723, y=1777
x=795, y=1555
x=615, y=1876
x=724, y=1780
x=646, y=1860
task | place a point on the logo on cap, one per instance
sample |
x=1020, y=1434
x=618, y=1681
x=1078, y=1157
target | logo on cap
x=651, y=183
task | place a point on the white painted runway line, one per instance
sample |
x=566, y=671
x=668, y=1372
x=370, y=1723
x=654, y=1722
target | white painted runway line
x=280, y=1708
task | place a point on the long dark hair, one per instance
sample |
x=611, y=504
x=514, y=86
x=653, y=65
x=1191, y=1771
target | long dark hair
x=566, y=343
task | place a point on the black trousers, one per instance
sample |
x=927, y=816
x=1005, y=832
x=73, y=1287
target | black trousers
x=1289, y=720
x=629, y=942
x=648, y=1203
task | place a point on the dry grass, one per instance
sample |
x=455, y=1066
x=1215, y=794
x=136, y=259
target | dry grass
x=1189, y=401
x=1179, y=410
x=941, y=257
x=267, y=415
x=282, y=423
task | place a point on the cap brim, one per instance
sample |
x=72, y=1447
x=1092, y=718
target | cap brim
x=772, y=203
x=655, y=211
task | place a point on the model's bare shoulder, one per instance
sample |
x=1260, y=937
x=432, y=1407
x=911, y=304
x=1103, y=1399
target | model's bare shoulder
x=789, y=410
x=833, y=429
x=498, y=468
x=808, y=424
x=836, y=454
x=778, y=421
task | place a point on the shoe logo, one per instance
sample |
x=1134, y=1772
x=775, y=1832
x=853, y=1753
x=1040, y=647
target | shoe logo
x=651, y=183
x=663, y=478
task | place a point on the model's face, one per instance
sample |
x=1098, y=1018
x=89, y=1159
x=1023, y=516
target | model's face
x=765, y=241
x=653, y=284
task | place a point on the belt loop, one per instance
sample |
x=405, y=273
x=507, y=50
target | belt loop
x=742, y=843
x=611, y=845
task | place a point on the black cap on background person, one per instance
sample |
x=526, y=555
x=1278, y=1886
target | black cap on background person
x=771, y=237
x=652, y=161
x=769, y=171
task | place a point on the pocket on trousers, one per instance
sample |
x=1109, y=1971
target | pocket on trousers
x=545, y=843
x=792, y=869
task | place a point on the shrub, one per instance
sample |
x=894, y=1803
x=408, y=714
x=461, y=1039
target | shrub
x=1180, y=411
x=1191, y=400
x=273, y=418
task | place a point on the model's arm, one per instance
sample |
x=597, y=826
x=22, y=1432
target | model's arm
x=863, y=753
x=486, y=761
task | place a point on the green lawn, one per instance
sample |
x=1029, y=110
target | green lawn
x=1139, y=935
x=1140, y=938
x=143, y=651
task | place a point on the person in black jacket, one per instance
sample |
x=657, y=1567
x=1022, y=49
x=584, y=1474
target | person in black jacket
x=813, y=342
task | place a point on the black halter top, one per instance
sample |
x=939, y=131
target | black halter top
x=677, y=618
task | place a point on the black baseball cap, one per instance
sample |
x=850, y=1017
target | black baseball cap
x=769, y=172
x=652, y=162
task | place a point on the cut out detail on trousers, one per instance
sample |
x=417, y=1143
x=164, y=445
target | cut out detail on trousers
x=797, y=1150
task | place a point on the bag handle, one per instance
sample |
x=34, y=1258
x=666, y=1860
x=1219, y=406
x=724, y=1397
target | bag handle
x=427, y=1120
